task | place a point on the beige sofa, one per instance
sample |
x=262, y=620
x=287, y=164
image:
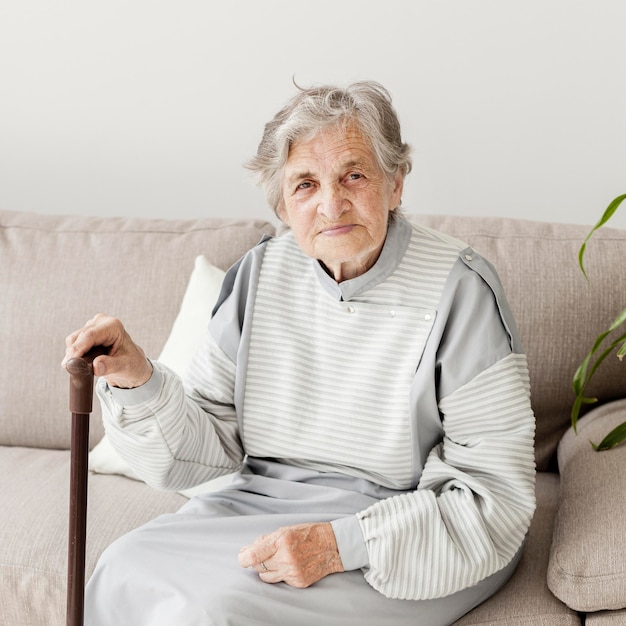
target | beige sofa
x=56, y=272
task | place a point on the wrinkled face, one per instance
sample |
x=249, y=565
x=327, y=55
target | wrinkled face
x=337, y=199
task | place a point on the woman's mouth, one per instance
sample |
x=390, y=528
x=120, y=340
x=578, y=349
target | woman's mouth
x=333, y=231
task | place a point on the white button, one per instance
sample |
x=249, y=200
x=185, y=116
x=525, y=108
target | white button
x=351, y=309
x=428, y=317
x=392, y=313
x=468, y=257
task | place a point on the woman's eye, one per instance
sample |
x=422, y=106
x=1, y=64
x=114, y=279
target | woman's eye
x=355, y=176
x=304, y=185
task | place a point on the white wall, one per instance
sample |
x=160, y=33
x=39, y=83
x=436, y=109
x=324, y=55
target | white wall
x=149, y=107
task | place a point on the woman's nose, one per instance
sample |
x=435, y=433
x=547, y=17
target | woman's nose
x=333, y=203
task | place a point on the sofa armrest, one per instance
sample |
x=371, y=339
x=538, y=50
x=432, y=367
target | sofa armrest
x=587, y=569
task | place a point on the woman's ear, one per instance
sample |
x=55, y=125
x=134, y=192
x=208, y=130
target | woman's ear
x=398, y=187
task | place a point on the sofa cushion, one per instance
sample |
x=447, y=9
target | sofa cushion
x=558, y=313
x=587, y=566
x=606, y=618
x=57, y=272
x=34, y=491
x=526, y=600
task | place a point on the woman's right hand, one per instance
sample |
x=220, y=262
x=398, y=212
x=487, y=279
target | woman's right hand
x=124, y=366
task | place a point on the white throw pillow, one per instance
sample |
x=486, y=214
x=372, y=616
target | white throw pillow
x=190, y=326
x=188, y=332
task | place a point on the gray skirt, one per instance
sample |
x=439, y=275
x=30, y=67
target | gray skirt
x=181, y=569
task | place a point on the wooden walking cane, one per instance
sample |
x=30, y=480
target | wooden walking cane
x=81, y=405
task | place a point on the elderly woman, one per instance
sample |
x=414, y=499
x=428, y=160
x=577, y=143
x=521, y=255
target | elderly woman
x=364, y=378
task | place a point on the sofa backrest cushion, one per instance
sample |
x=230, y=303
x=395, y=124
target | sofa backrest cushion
x=57, y=272
x=558, y=313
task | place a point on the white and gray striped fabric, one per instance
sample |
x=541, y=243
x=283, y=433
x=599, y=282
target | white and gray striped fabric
x=475, y=498
x=327, y=380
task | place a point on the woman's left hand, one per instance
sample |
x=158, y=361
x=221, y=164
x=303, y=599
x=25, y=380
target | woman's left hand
x=298, y=555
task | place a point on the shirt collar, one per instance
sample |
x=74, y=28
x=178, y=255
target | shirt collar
x=396, y=243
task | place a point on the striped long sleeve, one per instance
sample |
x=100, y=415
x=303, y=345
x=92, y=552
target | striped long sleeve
x=475, y=499
x=175, y=436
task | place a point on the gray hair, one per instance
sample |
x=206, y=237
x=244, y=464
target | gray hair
x=367, y=103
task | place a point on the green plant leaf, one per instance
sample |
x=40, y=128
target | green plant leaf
x=580, y=375
x=606, y=216
x=612, y=346
x=583, y=375
x=580, y=400
x=619, y=320
x=616, y=436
